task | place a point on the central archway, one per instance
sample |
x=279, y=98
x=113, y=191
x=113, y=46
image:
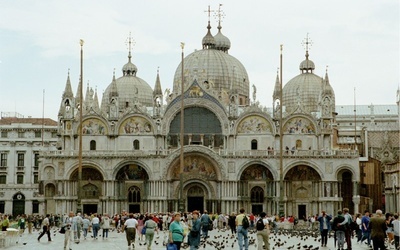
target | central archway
x=196, y=195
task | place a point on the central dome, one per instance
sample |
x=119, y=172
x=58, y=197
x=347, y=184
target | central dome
x=220, y=69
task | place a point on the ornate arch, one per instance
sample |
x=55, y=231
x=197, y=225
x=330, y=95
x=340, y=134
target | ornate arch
x=85, y=164
x=259, y=165
x=300, y=124
x=93, y=125
x=132, y=170
x=254, y=123
x=343, y=168
x=200, y=151
x=195, y=102
x=204, y=183
x=304, y=163
x=136, y=124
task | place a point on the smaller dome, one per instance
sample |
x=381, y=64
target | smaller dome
x=307, y=65
x=129, y=68
x=208, y=40
x=222, y=42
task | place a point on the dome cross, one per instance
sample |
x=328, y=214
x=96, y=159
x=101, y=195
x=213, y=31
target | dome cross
x=130, y=43
x=219, y=14
x=307, y=43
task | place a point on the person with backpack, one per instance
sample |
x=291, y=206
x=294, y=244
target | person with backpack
x=205, y=222
x=324, y=227
x=262, y=226
x=242, y=223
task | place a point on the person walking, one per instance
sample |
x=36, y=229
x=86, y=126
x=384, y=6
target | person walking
x=46, y=228
x=232, y=223
x=151, y=227
x=378, y=230
x=205, y=223
x=95, y=226
x=359, y=230
x=21, y=224
x=85, y=226
x=76, y=227
x=242, y=223
x=105, y=225
x=348, y=233
x=194, y=233
x=366, y=230
x=130, y=227
x=262, y=226
x=324, y=227
x=339, y=229
x=176, y=234
x=396, y=231
x=67, y=224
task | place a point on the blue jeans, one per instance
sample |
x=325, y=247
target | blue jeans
x=366, y=236
x=340, y=238
x=242, y=235
x=105, y=233
x=95, y=228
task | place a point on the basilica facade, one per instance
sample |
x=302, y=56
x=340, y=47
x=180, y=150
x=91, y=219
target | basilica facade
x=131, y=146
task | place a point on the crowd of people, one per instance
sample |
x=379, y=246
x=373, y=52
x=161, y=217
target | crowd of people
x=378, y=231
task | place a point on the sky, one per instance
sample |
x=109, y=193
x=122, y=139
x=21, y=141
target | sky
x=39, y=42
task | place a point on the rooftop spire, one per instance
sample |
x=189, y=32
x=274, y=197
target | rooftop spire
x=277, y=88
x=208, y=40
x=130, y=43
x=68, y=88
x=96, y=106
x=307, y=65
x=221, y=42
x=129, y=69
x=114, y=89
x=307, y=43
x=157, y=87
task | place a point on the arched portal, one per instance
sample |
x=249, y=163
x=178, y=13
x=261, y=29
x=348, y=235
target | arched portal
x=91, y=189
x=134, y=199
x=302, y=190
x=345, y=178
x=196, y=195
x=256, y=183
x=18, y=204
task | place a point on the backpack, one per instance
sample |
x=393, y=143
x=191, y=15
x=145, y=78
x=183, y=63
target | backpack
x=260, y=225
x=245, y=222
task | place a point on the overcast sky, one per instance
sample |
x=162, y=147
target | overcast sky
x=39, y=41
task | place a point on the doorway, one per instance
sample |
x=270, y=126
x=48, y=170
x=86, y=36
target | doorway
x=302, y=213
x=256, y=209
x=18, y=204
x=195, y=203
x=134, y=208
x=89, y=208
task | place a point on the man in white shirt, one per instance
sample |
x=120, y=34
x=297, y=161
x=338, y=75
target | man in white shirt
x=396, y=230
x=46, y=228
x=130, y=226
x=67, y=225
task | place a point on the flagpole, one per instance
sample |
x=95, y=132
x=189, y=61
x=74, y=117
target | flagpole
x=79, y=201
x=281, y=188
x=181, y=200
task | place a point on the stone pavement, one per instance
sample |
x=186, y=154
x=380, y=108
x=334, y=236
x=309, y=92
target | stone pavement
x=117, y=241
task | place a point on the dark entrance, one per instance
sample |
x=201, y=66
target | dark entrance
x=89, y=208
x=256, y=209
x=18, y=204
x=134, y=208
x=195, y=203
x=302, y=212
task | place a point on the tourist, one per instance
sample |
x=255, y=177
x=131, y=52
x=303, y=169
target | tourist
x=378, y=230
x=67, y=226
x=194, y=233
x=324, y=227
x=105, y=225
x=95, y=226
x=262, y=226
x=21, y=224
x=140, y=221
x=130, y=225
x=5, y=223
x=389, y=225
x=359, y=230
x=85, y=226
x=339, y=229
x=46, y=228
x=151, y=227
x=348, y=233
x=176, y=231
x=231, y=223
x=396, y=230
x=205, y=223
x=242, y=230
x=366, y=230
x=76, y=227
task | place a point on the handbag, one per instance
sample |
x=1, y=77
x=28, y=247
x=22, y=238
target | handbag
x=172, y=246
x=144, y=230
x=62, y=230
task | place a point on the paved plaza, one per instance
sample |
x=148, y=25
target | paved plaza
x=117, y=241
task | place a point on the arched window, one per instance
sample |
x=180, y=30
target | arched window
x=257, y=195
x=134, y=194
x=92, y=145
x=254, y=144
x=136, y=145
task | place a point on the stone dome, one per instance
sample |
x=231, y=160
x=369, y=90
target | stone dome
x=215, y=66
x=222, y=42
x=129, y=89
